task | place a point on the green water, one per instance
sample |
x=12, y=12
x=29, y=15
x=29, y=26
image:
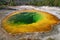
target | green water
x=25, y=18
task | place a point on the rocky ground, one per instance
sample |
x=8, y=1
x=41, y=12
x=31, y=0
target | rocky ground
x=53, y=35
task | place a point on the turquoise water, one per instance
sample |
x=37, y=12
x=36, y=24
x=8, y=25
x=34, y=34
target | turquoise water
x=25, y=18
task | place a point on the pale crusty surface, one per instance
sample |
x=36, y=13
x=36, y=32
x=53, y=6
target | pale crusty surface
x=43, y=36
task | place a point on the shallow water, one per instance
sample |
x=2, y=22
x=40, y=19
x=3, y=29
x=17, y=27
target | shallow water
x=55, y=33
